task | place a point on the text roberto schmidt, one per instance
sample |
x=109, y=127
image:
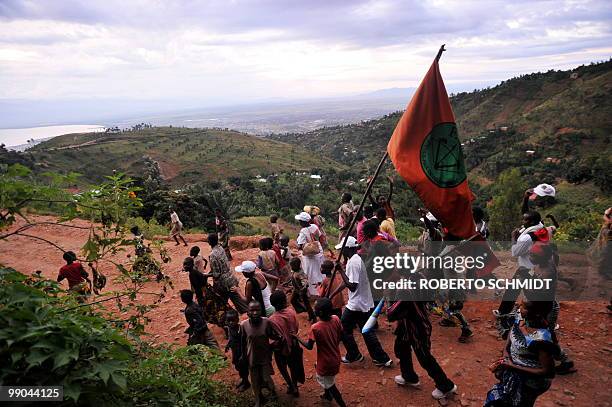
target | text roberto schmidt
x=404, y=262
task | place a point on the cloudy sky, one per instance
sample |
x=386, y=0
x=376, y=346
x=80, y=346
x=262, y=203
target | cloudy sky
x=243, y=50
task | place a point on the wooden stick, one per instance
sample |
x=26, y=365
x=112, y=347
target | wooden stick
x=354, y=220
x=442, y=49
x=367, y=193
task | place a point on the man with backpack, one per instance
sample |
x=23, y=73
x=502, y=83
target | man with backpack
x=523, y=239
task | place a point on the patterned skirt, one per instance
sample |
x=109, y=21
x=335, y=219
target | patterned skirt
x=516, y=389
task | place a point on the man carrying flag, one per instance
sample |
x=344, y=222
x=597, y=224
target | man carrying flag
x=426, y=151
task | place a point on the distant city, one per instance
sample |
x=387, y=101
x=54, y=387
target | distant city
x=292, y=117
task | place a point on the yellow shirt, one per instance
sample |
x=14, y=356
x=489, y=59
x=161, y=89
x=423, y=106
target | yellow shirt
x=388, y=226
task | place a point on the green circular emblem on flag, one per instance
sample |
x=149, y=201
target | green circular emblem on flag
x=441, y=156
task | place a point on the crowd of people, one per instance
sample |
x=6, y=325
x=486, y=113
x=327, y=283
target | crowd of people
x=337, y=297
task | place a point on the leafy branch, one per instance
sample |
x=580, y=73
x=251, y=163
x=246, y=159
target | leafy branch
x=106, y=207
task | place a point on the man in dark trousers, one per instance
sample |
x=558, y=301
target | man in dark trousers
x=223, y=277
x=413, y=334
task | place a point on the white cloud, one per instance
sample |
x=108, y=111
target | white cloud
x=241, y=50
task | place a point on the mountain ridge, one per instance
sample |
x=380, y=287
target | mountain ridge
x=532, y=110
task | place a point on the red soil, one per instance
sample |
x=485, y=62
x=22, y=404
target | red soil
x=584, y=333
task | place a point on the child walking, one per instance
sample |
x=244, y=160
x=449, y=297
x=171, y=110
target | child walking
x=255, y=334
x=268, y=262
x=326, y=334
x=527, y=367
x=198, y=331
x=334, y=288
x=288, y=354
x=299, y=281
x=78, y=279
x=235, y=344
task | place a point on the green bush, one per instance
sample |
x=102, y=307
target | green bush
x=42, y=346
x=164, y=376
x=505, y=208
x=584, y=226
x=46, y=340
x=406, y=232
x=149, y=229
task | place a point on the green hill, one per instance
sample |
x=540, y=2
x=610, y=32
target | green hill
x=541, y=104
x=562, y=115
x=184, y=155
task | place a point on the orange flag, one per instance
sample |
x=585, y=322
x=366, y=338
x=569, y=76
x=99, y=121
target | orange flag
x=426, y=151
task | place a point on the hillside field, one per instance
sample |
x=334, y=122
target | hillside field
x=184, y=155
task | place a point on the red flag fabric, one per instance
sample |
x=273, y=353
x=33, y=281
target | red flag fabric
x=426, y=151
x=479, y=247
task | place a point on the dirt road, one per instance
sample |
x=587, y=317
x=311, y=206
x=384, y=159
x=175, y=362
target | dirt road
x=584, y=333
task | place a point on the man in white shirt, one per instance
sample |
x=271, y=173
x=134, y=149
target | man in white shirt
x=359, y=307
x=177, y=227
x=522, y=242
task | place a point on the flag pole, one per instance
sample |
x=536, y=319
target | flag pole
x=442, y=49
x=365, y=196
x=353, y=221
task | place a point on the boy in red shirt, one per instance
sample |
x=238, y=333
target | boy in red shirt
x=76, y=275
x=327, y=334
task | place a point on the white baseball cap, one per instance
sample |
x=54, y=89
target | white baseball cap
x=303, y=216
x=544, y=190
x=247, y=266
x=350, y=242
x=429, y=216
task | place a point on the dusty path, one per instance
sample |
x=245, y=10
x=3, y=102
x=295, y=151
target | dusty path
x=584, y=332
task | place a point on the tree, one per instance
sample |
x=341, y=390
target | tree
x=152, y=179
x=107, y=207
x=505, y=207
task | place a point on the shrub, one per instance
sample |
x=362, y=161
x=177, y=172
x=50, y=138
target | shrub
x=505, y=208
x=42, y=345
x=406, y=232
x=149, y=229
x=583, y=226
x=46, y=340
x=178, y=377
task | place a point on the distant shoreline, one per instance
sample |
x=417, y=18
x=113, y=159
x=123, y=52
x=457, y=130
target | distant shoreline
x=21, y=138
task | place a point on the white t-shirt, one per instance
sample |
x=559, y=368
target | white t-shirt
x=521, y=248
x=174, y=218
x=360, y=299
x=265, y=294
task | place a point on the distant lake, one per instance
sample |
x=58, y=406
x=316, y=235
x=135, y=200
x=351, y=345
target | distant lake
x=17, y=137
